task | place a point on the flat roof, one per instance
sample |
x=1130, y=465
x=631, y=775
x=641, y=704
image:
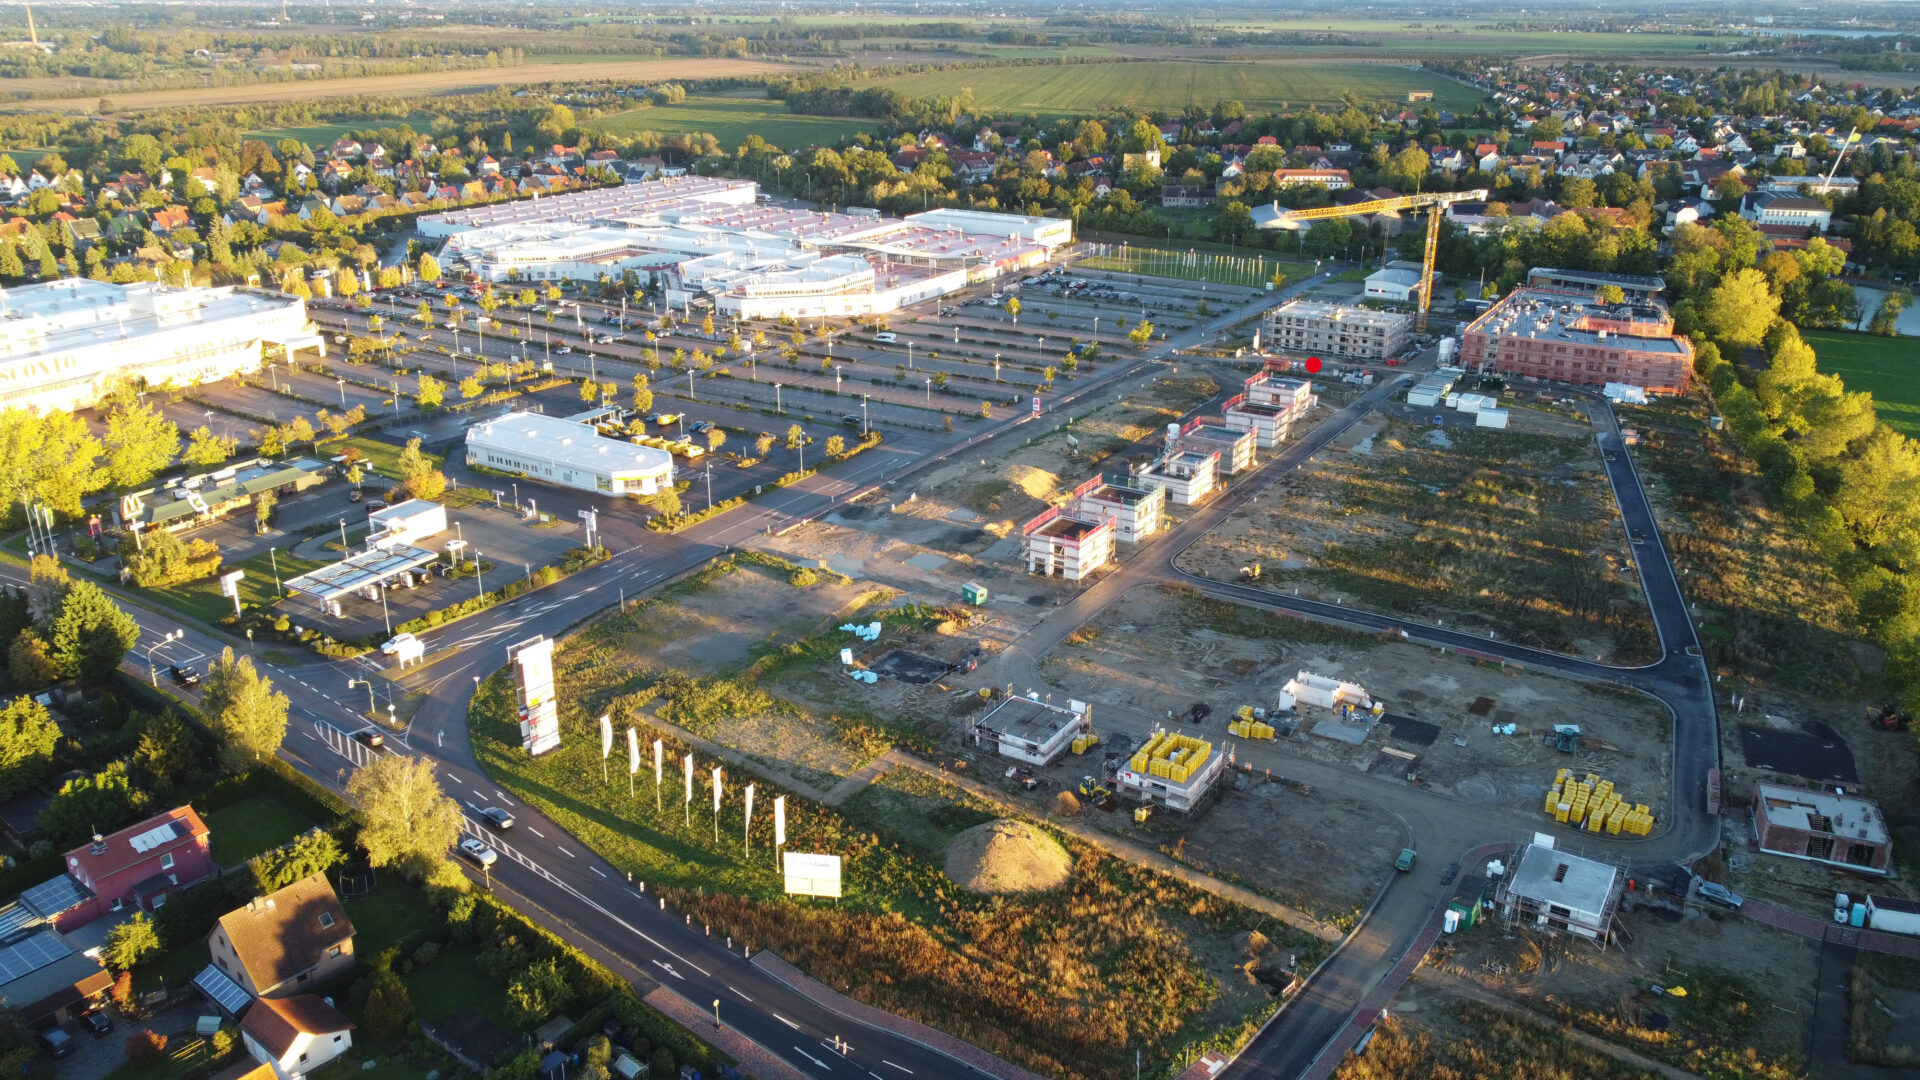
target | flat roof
x=1847, y=816
x=1122, y=493
x=1332, y=312
x=70, y=313
x=1635, y=281
x=168, y=503
x=1552, y=876
x=536, y=435
x=1071, y=528
x=1024, y=718
x=1531, y=314
x=356, y=572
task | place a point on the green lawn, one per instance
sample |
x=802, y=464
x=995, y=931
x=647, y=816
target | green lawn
x=454, y=980
x=202, y=599
x=252, y=826
x=731, y=120
x=1886, y=367
x=394, y=913
x=382, y=457
x=1173, y=85
x=318, y=136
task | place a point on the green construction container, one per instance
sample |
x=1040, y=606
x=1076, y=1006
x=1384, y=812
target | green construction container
x=973, y=593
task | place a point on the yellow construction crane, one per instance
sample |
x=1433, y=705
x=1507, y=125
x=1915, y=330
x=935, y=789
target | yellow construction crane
x=1434, y=203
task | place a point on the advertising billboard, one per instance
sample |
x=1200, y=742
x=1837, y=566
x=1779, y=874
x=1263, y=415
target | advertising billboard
x=811, y=875
x=532, y=662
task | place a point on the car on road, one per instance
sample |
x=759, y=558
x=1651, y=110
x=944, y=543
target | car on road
x=369, y=737
x=850, y=421
x=699, y=427
x=563, y=350
x=478, y=853
x=356, y=495
x=185, y=675
x=666, y=419
x=394, y=643
x=1405, y=862
x=499, y=819
x=1715, y=893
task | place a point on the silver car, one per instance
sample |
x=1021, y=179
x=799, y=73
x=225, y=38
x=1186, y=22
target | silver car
x=478, y=853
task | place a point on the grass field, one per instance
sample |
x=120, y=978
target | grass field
x=252, y=826
x=1886, y=367
x=1173, y=85
x=202, y=600
x=318, y=136
x=731, y=120
x=421, y=84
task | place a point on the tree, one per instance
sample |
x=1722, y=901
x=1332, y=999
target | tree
x=263, y=508
x=429, y=268
x=762, y=443
x=642, y=400
x=99, y=803
x=405, y=819
x=206, y=448
x=1013, y=306
x=1612, y=294
x=472, y=387
x=420, y=478
x=146, y=1048
x=389, y=1007
x=1141, y=333
x=539, y=991
x=29, y=664
x=716, y=438
x=796, y=436
x=168, y=751
x=431, y=392
x=246, y=713
x=90, y=634
x=667, y=503
x=130, y=942
x=1738, y=311
x=27, y=738
x=312, y=852
x=52, y=458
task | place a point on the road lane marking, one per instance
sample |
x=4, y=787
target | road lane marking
x=596, y=870
x=785, y=1021
x=902, y=1068
x=736, y=990
x=536, y=832
x=565, y=852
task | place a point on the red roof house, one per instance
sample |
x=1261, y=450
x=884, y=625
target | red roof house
x=140, y=866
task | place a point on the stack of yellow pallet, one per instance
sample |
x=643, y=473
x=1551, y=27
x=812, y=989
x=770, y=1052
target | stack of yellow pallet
x=1083, y=743
x=1171, y=756
x=1591, y=803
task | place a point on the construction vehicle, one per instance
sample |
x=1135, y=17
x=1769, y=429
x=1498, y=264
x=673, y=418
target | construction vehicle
x=1434, y=203
x=1142, y=813
x=1250, y=573
x=1891, y=719
x=1094, y=789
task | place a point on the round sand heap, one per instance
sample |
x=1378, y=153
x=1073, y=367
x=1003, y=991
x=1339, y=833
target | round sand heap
x=1007, y=857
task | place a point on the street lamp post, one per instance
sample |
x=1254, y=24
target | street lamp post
x=863, y=415
x=343, y=534
x=343, y=391
x=996, y=367
x=153, y=674
x=776, y=398
x=909, y=354
x=929, y=390
x=481, y=589
x=368, y=683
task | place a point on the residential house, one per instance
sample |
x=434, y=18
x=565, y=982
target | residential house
x=167, y=220
x=1780, y=208
x=344, y=147
x=140, y=866
x=281, y=944
x=1331, y=179
x=200, y=182
x=1185, y=196
x=295, y=1035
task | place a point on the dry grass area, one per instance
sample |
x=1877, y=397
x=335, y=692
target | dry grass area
x=1492, y=530
x=1008, y=490
x=420, y=84
x=1749, y=988
x=1465, y=1040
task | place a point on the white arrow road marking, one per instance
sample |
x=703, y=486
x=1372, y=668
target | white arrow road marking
x=813, y=1059
x=668, y=968
x=502, y=798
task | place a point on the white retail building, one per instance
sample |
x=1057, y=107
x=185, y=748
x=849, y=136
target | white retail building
x=568, y=454
x=64, y=343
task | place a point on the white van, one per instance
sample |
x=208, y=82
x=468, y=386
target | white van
x=886, y=337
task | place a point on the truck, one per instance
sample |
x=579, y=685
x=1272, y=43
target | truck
x=1893, y=915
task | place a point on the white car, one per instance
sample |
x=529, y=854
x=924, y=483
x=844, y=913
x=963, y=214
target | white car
x=393, y=644
x=479, y=853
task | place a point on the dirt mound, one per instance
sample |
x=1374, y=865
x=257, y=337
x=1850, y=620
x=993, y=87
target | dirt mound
x=1037, y=483
x=1065, y=804
x=1007, y=857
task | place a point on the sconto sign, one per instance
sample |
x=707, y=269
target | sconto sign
x=532, y=662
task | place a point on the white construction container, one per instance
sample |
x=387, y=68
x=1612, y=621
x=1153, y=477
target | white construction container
x=1493, y=418
x=1893, y=915
x=1422, y=399
x=1325, y=692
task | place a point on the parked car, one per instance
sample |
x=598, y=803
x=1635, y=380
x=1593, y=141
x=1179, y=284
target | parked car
x=851, y=422
x=99, y=1024
x=184, y=676
x=498, y=818
x=1715, y=893
x=57, y=1042
x=886, y=337
x=478, y=853
x=393, y=643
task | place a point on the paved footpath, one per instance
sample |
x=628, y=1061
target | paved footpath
x=1827, y=930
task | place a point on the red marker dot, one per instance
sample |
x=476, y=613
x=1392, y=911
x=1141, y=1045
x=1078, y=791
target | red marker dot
x=1313, y=364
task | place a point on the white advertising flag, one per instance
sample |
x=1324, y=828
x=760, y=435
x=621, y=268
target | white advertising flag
x=686, y=771
x=606, y=735
x=659, y=763
x=779, y=821
x=749, y=806
x=716, y=789
x=633, y=752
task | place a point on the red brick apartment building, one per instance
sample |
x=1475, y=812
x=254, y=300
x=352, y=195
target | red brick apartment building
x=1563, y=337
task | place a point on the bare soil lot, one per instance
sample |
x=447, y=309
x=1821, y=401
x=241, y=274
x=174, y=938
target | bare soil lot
x=1491, y=530
x=1163, y=649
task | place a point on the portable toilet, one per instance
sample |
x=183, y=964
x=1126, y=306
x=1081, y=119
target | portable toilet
x=1859, y=917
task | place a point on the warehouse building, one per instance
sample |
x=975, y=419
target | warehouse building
x=1561, y=893
x=568, y=454
x=65, y=343
x=1069, y=544
x=1846, y=831
x=1546, y=335
x=1320, y=328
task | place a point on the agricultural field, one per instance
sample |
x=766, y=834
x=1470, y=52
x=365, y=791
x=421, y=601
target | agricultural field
x=1117, y=959
x=1173, y=85
x=418, y=84
x=731, y=120
x=317, y=136
x=1507, y=531
x=1886, y=367
x=1469, y=36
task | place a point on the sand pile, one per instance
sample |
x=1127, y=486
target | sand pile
x=1007, y=857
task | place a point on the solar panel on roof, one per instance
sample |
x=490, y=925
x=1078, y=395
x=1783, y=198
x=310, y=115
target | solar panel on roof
x=53, y=897
x=224, y=991
x=23, y=958
x=153, y=838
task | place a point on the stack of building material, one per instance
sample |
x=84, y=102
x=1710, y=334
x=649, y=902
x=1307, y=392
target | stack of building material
x=1246, y=726
x=1171, y=756
x=1593, y=804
